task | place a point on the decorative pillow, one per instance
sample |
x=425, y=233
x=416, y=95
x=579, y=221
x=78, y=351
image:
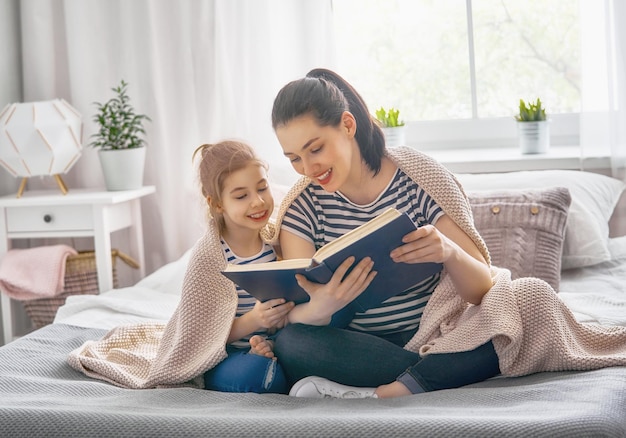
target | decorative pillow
x=594, y=197
x=524, y=230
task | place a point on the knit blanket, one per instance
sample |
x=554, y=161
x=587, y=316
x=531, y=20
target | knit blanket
x=149, y=355
x=532, y=330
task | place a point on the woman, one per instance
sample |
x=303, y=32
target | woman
x=465, y=325
x=325, y=130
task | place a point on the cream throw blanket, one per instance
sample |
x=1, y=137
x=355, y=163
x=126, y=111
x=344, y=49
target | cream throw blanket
x=532, y=330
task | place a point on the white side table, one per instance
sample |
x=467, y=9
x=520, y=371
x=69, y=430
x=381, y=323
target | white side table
x=79, y=213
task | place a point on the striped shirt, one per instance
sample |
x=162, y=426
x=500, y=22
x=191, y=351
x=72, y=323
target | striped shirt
x=320, y=217
x=246, y=301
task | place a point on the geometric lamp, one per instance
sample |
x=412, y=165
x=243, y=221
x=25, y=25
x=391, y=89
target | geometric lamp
x=40, y=138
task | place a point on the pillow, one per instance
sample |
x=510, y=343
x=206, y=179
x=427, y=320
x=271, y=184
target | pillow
x=524, y=230
x=594, y=197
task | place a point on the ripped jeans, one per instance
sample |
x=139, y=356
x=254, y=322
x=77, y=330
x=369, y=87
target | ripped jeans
x=245, y=372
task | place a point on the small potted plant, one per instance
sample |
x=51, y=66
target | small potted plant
x=392, y=126
x=533, y=128
x=120, y=138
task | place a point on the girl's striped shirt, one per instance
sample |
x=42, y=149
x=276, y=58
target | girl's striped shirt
x=246, y=301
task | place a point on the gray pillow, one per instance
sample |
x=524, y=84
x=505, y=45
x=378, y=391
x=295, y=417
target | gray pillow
x=524, y=229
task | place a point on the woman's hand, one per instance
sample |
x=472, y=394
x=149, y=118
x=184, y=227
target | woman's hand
x=447, y=243
x=326, y=299
x=426, y=244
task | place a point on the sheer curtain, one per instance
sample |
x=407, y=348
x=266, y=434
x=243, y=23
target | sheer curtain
x=603, y=113
x=202, y=70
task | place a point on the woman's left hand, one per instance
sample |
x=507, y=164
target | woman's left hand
x=447, y=243
x=426, y=244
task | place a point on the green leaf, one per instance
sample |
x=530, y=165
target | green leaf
x=388, y=119
x=531, y=111
x=119, y=126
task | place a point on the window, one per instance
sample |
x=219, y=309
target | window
x=456, y=69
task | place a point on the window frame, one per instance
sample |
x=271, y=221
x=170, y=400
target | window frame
x=481, y=133
x=484, y=132
x=478, y=132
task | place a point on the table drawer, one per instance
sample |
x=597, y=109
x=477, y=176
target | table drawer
x=49, y=218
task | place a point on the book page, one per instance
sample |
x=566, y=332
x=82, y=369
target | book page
x=277, y=265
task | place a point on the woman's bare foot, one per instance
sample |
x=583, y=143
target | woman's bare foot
x=261, y=346
x=394, y=389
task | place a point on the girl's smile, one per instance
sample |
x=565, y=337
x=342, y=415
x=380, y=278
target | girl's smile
x=261, y=216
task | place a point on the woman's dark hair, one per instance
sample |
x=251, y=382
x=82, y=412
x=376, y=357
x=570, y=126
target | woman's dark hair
x=326, y=95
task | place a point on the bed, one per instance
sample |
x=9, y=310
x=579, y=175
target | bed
x=40, y=395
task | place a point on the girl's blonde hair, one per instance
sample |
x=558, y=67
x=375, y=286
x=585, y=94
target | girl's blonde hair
x=217, y=162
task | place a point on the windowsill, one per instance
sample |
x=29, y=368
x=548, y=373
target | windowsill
x=490, y=160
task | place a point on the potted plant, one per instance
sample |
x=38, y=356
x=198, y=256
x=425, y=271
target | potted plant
x=120, y=138
x=533, y=128
x=392, y=126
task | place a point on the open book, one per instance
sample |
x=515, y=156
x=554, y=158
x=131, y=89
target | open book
x=376, y=239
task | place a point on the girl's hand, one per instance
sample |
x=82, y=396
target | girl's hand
x=272, y=313
x=326, y=299
x=269, y=315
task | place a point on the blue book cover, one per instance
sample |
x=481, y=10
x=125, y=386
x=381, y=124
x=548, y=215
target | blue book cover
x=376, y=239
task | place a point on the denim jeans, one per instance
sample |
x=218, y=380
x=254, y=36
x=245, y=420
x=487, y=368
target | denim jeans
x=245, y=372
x=361, y=359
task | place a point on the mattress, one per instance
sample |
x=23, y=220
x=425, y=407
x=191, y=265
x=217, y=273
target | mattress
x=40, y=395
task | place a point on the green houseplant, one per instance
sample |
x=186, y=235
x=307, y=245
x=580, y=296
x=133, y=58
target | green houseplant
x=389, y=119
x=392, y=126
x=531, y=111
x=121, y=140
x=533, y=127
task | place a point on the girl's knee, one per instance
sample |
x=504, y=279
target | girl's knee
x=247, y=373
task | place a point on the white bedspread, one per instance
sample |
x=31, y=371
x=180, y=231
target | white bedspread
x=598, y=293
x=595, y=294
x=152, y=299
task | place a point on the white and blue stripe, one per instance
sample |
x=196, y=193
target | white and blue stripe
x=246, y=301
x=320, y=217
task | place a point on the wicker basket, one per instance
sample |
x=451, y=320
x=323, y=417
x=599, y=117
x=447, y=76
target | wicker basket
x=81, y=278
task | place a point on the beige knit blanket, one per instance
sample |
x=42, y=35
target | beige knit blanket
x=148, y=355
x=531, y=328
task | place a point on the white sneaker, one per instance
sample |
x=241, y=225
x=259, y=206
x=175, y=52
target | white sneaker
x=319, y=387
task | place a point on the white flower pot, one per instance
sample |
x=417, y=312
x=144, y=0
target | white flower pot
x=534, y=137
x=395, y=136
x=123, y=168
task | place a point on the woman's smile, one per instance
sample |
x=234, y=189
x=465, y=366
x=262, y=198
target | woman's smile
x=324, y=178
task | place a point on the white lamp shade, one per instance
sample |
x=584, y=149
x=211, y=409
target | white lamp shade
x=40, y=138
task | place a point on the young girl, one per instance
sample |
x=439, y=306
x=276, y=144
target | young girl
x=235, y=186
x=216, y=338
